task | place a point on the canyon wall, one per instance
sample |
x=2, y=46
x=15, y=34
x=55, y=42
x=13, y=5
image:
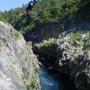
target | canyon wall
x=18, y=65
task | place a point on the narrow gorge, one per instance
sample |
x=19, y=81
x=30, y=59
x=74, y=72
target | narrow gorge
x=61, y=64
x=45, y=45
x=68, y=58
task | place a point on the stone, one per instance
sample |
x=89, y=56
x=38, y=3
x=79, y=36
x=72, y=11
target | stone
x=17, y=61
x=69, y=59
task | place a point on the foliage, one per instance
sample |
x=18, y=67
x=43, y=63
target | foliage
x=48, y=43
x=43, y=11
x=15, y=35
x=32, y=84
x=53, y=10
x=75, y=37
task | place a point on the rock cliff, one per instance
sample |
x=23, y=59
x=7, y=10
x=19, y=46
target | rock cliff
x=18, y=65
x=53, y=29
x=68, y=55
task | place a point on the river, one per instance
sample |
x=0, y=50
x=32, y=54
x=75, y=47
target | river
x=52, y=82
x=48, y=81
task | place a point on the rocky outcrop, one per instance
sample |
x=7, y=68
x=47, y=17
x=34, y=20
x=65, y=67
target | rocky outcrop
x=53, y=29
x=68, y=58
x=18, y=65
x=75, y=64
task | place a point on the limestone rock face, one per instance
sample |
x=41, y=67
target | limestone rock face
x=18, y=64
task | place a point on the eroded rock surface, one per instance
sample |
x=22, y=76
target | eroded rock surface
x=68, y=58
x=18, y=64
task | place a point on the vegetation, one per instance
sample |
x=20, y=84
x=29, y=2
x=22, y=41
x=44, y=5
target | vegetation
x=85, y=11
x=75, y=37
x=48, y=43
x=32, y=84
x=87, y=42
x=43, y=11
x=15, y=35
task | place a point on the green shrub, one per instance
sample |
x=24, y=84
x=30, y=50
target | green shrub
x=15, y=35
x=75, y=37
x=32, y=84
x=48, y=43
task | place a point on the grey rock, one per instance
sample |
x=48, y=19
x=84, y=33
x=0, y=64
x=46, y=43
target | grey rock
x=69, y=59
x=17, y=62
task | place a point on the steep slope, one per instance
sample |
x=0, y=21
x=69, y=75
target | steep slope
x=18, y=65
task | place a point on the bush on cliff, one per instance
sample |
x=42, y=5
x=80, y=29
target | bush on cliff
x=75, y=37
x=33, y=83
x=48, y=43
x=15, y=35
